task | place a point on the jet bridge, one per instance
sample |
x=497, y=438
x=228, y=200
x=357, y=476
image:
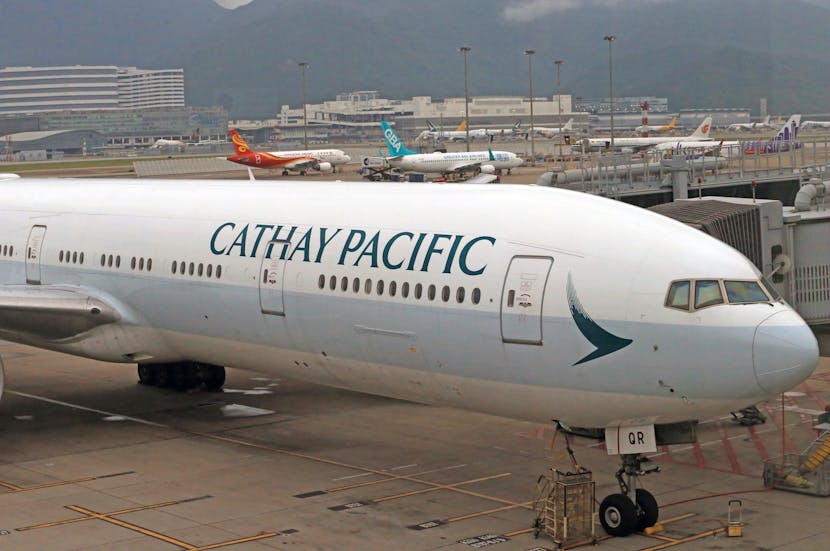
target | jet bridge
x=788, y=244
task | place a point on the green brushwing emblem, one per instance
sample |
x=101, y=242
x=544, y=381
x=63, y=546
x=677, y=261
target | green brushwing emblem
x=605, y=342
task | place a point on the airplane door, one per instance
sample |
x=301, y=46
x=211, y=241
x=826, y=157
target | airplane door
x=271, y=276
x=33, y=250
x=521, y=302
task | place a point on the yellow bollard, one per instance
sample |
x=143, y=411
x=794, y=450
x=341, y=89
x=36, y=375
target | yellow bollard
x=735, y=518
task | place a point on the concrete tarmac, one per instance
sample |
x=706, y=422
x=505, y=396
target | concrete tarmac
x=92, y=460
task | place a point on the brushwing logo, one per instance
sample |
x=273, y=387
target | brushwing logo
x=605, y=342
x=239, y=143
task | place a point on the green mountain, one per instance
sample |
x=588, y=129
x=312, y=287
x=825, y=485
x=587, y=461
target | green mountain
x=706, y=53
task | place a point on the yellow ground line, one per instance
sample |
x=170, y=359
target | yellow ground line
x=113, y=513
x=518, y=532
x=489, y=511
x=234, y=542
x=678, y=517
x=685, y=540
x=133, y=527
x=14, y=488
x=442, y=487
x=10, y=486
x=389, y=478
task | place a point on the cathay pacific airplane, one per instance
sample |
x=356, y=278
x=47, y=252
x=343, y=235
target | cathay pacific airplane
x=529, y=302
x=404, y=158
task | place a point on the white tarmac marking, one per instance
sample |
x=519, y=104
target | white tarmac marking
x=403, y=467
x=352, y=476
x=84, y=408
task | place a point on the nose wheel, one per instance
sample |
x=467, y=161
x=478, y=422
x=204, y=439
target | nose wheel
x=633, y=509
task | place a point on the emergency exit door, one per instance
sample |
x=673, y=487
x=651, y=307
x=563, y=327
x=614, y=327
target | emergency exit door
x=521, y=302
x=33, y=252
x=271, y=279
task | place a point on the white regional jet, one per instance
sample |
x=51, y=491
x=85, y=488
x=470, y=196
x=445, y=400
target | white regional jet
x=762, y=125
x=529, y=302
x=700, y=134
x=550, y=132
x=404, y=158
x=475, y=134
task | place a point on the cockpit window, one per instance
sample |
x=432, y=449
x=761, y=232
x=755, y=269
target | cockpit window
x=707, y=293
x=773, y=292
x=744, y=291
x=678, y=296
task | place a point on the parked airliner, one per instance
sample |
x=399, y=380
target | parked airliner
x=657, y=127
x=460, y=134
x=530, y=302
x=445, y=163
x=784, y=140
x=761, y=125
x=550, y=132
x=700, y=134
x=324, y=160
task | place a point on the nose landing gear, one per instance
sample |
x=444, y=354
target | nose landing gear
x=633, y=509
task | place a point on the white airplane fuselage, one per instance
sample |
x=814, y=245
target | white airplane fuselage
x=333, y=156
x=527, y=302
x=443, y=163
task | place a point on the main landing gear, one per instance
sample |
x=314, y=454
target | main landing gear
x=182, y=376
x=633, y=509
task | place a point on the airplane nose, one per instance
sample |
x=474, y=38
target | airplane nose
x=784, y=352
x=347, y=158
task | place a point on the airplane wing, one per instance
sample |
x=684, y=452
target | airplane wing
x=482, y=179
x=301, y=163
x=52, y=313
x=464, y=165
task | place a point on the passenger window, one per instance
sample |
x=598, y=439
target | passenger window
x=380, y=287
x=678, y=296
x=118, y=261
x=744, y=291
x=405, y=289
x=81, y=258
x=707, y=293
x=181, y=268
x=431, y=292
x=356, y=285
x=218, y=271
x=209, y=269
x=344, y=284
x=445, y=293
x=476, y=298
x=418, y=291
x=333, y=283
x=109, y=261
x=367, y=288
x=132, y=263
x=459, y=295
x=149, y=264
x=60, y=256
x=321, y=281
x=393, y=287
x=141, y=265
x=200, y=270
x=103, y=259
x=191, y=268
x=75, y=257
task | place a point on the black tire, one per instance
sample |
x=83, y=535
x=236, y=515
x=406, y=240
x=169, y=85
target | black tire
x=184, y=376
x=618, y=515
x=213, y=376
x=285, y=173
x=163, y=375
x=147, y=374
x=649, y=510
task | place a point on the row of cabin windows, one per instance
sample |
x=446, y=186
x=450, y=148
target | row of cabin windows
x=109, y=260
x=140, y=264
x=198, y=270
x=693, y=294
x=7, y=250
x=71, y=257
x=391, y=289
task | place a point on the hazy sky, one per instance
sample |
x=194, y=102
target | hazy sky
x=232, y=3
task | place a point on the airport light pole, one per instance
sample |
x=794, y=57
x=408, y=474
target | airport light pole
x=529, y=54
x=611, y=38
x=558, y=64
x=302, y=65
x=465, y=50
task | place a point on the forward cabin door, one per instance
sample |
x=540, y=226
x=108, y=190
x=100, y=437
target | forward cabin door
x=33, y=252
x=521, y=302
x=271, y=278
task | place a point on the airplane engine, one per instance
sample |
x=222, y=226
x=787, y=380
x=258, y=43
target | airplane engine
x=488, y=169
x=324, y=167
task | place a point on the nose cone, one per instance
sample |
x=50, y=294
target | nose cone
x=347, y=159
x=784, y=351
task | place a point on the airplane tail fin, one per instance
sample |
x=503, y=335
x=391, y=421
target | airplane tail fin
x=462, y=126
x=569, y=125
x=672, y=123
x=431, y=126
x=490, y=152
x=393, y=143
x=517, y=125
x=789, y=132
x=239, y=144
x=702, y=130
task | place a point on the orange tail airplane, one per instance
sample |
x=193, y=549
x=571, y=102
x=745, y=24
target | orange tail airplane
x=260, y=159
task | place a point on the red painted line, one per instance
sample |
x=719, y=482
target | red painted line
x=812, y=394
x=701, y=462
x=727, y=445
x=667, y=457
x=776, y=416
x=759, y=445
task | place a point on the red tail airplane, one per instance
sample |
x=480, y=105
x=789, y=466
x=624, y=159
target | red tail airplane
x=260, y=159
